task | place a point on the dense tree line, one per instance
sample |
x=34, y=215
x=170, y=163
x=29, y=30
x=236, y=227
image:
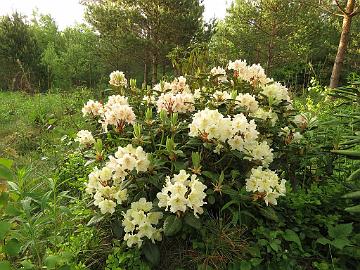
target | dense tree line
x=35, y=55
x=293, y=39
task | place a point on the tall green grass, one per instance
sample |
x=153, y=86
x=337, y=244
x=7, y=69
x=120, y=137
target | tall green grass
x=32, y=127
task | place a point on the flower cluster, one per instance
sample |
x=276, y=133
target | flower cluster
x=266, y=184
x=107, y=193
x=179, y=85
x=180, y=193
x=117, y=78
x=238, y=132
x=115, y=112
x=221, y=96
x=220, y=74
x=108, y=183
x=210, y=124
x=92, y=108
x=180, y=102
x=301, y=121
x=85, y=138
x=253, y=74
x=118, y=115
x=163, y=87
x=139, y=222
x=276, y=93
x=248, y=102
x=235, y=121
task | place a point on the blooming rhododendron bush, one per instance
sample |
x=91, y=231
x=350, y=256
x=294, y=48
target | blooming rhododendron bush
x=169, y=159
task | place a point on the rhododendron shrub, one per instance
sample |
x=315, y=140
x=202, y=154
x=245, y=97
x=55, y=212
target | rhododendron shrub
x=171, y=156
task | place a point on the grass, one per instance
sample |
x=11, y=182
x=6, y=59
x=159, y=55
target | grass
x=34, y=128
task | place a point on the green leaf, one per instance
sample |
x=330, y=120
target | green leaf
x=152, y=253
x=5, y=265
x=228, y=204
x=348, y=153
x=65, y=267
x=12, y=247
x=275, y=245
x=238, y=154
x=5, y=173
x=340, y=243
x=4, y=228
x=95, y=219
x=172, y=225
x=269, y=213
x=354, y=176
x=6, y=162
x=27, y=265
x=340, y=230
x=211, y=199
x=117, y=229
x=292, y=236
x=323, y=241
x=256, y=261
x=51, y=261
x=191, y=220
x=12, y=210
x=4, y=197
x=353, y=209
x=352, y=195
x=211, y=175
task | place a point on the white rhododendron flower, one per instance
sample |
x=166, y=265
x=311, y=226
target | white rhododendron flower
x=85, y=138
x=253, y=74
x=301, y=120
x=221, y=96
x=92, y=108
x=163, y=87
x=248, y=102
x=265, y=115
x=266, y=183
x=182, y=192
x=276, y=93
x=116, y=99
x=118, y=116
x=238, y=132
x=239, y=66
x=256, y=75
x=180, y=102
x=259, y=152
x=211, y=124
x=220, y=73
x=107, y=184
x=117, y=78
x=197, y=93
x=179, y=85
x=139, y=222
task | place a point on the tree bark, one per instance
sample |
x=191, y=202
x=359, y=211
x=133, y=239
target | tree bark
x=154, y=70
x=344, y=40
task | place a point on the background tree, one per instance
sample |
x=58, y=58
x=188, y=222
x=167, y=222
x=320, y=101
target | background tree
x=19, y=54
x=145, y=31
x=283, y=36
x=347, y=9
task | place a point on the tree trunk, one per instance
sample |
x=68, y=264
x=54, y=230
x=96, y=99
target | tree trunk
x=146, y=72
x=154, y=70
x=344, y=40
